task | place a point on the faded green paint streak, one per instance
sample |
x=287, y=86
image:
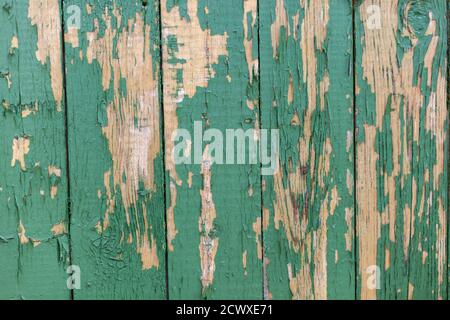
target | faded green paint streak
x=116, y=162
x=306, y=93
x=402, y=149
x=33, y=182
x=211, y=77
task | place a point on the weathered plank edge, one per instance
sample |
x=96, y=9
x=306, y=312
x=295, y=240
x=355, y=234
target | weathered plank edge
x=66, y=124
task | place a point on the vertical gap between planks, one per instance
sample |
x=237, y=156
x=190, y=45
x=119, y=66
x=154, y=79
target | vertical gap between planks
x=448, y=154
x=163, y=141
x=66, y=126
x=263, y=273
x=355, y=172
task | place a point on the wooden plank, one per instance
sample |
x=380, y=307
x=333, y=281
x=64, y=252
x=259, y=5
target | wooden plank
x=34, y=246
x=116, y=158
x=401, y=149
x=210, y=69
x=306, y=93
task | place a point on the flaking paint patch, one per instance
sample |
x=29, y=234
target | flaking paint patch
x=7, y=77
x=368, y=218
x=171, y=227
x=14, y=43
x=110, y=199
x=22, y=234
x=133, y=118
x=437, y=126
x=285, y=211
x=149, y=256
x=441, y=245
x=290, y=94
x=251, y=104
x=59, y=229
x=392, y=77
x=309, y=281
x=20, y=148
x=208, y=242
x=71, y=37
x=300, y=284
x=387, y=259
x=190, y=175
x=320, y=236
x=250, y=9
x=314, y=31
x=281, y=20
x=258, y=234
x=244, y=262
x=295, y=121
x=410, y=291
x=36, y=243
x=350, y=182
x=54, y=171
x=267, y=294
x=147, y=249
x=304, y=285
x=45, y=15
x=266, y=219
x=335, y=199
x=99, y=227
x=29, y=110
x=6, y=105
x=350, y=232
x=195, y=54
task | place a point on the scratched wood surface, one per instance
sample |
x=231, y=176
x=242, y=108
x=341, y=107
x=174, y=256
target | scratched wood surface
x=112, y=119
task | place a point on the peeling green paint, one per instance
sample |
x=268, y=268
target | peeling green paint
x=306, y=92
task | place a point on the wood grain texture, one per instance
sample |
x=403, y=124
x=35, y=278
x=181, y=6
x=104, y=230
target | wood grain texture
x=210, y=69
x=115, y=147
x=306, y=90
x=402, y=124
x=34, y=247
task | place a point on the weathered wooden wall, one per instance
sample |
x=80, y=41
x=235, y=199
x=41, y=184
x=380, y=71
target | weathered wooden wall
x=92, y=93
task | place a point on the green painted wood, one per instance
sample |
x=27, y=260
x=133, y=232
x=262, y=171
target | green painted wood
x=34, y=247
x=307, y=94
x=115, y=147
x=402, y=149
x=210, y=67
